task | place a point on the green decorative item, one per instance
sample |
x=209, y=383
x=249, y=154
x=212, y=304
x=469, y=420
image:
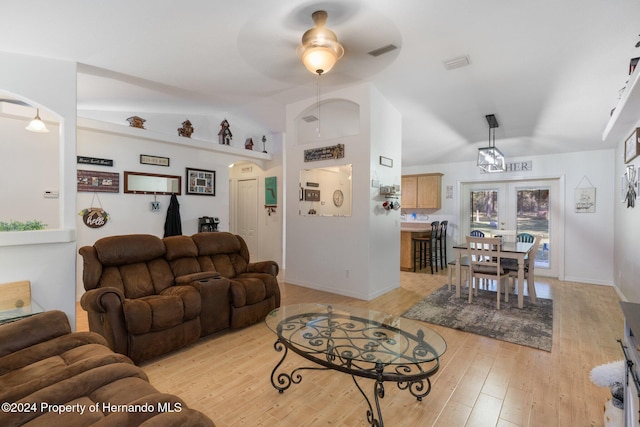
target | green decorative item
x=31, y=225
x=270, y=191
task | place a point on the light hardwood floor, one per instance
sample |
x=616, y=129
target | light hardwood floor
x=481, y=382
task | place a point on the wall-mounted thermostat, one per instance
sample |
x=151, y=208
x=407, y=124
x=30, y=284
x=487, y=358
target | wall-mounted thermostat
x=50, y=194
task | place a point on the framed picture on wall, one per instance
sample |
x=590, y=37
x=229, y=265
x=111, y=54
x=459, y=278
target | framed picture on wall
x=200, y=182
x=632, y=146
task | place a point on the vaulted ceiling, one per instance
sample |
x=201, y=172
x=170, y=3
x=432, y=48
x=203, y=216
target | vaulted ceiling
x=550, y=70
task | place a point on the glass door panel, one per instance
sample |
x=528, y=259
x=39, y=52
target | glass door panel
x=523, y=206
x=484, y=211
x=533, y=218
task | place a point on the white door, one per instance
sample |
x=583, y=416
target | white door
x=525, y=206
x=247, y=214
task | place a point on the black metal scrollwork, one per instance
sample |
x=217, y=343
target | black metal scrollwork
x=361, y=348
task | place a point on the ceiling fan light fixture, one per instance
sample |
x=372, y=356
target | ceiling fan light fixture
x=320, y=49
x=37, y=125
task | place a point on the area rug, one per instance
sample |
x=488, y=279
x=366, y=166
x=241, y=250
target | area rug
x=531, y=326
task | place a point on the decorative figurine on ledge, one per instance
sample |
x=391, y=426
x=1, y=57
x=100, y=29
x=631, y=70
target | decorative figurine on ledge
x=186, y=130
x=248, y=144
x=264, y=141
x=136, y=122
x=225, y=136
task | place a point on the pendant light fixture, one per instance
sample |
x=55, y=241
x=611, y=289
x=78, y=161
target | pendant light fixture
x=37, y=125
x=490, y=159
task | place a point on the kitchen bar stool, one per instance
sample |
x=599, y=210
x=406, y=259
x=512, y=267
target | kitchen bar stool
x=441, y=245
x=423, y=252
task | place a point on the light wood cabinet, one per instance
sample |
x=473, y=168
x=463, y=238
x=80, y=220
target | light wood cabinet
x=422, y=191
x=406, y=248
x=409, y=191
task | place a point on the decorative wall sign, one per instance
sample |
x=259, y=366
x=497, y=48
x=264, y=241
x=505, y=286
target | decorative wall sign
x=324, y=153
x=94, y=217
x=385, y=161
x=94, y=161
x=95, y=181
x=311, y=195
x=632, y=146
x=270, y=191
x=585, y=197
x=201, y=182
x=146, y=159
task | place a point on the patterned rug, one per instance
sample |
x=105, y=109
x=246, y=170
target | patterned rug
x=531, y=326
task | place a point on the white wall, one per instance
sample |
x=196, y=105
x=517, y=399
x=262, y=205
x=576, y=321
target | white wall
x=46, y=258
x=357, y=255
x=588, y=238
x=23, y=200
x=627, y=233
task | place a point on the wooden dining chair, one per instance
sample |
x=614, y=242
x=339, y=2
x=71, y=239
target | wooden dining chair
x=485, y=263
x=529, y=266
x=476, y=233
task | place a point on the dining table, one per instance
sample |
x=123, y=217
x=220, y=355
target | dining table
x=512, y=250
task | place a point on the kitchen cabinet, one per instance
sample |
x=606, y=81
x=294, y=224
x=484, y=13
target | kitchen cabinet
x=421, y=191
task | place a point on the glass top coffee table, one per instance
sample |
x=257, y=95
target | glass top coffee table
x=359, y=342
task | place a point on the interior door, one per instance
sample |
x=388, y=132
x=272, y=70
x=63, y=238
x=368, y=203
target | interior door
x=247, y=214
x=524, y=206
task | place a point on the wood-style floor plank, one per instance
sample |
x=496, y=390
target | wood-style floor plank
x=481, y=381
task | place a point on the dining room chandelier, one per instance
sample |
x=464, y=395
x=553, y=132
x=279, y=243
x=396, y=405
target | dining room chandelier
x=490, y=159
x=320, y=49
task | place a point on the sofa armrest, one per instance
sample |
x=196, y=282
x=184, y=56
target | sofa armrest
x=203, y=276
x=32, y=330
x=104, y=307
x=269, y=267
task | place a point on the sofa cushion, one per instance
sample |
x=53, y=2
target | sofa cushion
x=182, y=255
x=158, y=312
x=128, y=249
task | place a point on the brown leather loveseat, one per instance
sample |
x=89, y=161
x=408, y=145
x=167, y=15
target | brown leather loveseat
x=148, y=296
x=52, y=377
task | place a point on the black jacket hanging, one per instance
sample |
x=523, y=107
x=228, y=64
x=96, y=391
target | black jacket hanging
x=173, y=225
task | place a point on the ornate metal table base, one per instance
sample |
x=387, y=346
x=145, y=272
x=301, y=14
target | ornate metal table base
x=359, y=347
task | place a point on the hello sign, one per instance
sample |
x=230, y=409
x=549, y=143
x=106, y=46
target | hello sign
x=94, y=217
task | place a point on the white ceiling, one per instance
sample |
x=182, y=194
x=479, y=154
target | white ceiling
x=550, y=70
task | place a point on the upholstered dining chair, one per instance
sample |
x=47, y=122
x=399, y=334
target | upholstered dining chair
x=485, y=263
x=529, y=266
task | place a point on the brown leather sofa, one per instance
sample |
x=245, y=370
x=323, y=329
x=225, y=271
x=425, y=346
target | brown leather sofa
x=148, y=296
x=52, y=377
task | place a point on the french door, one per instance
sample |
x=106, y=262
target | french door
x=524, y=206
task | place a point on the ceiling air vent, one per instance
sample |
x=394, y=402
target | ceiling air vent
x=382, y=50
x=454, y=63
x=310, y=119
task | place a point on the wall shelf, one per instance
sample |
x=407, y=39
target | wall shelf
x=627, y=112
x=200, y=144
